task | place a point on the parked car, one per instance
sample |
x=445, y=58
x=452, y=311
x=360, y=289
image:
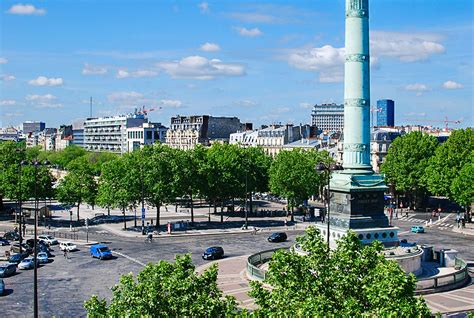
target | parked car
x=31, y=243
x=7, y=269
x=42, y=257
x=418, y=229
x=12, y=236
x=17, y=258
x=2, y=287
x=28, y=263
x=67, y=246
x=214, y=252
x=48, y=239
x=100, y=251
x=15, y=248
x=4, y=242
x=277, y=237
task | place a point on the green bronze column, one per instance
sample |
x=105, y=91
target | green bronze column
x=356, y=156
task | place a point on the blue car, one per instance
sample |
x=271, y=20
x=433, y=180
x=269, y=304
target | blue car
x=100, y=251
x=418, y=229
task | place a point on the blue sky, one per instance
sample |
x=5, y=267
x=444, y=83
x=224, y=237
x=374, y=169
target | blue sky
x=264, y=62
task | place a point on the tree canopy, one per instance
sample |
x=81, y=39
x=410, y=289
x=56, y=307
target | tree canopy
x=352, y=281
x=165, y=290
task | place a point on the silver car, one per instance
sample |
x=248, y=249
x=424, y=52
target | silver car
x=27, y=263
x=48, y=239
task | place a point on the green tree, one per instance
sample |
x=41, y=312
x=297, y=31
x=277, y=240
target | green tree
x=158, y=176
x=406, y=162
x=118, y=187
x=165, y=290
x=293, y=176
x=462, y=189
x=78, y=186
x=352, y=281
x=450, y=157
x=67, y=155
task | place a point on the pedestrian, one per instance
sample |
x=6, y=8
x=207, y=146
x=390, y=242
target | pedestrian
x=65, y=253
x=458, y=219
x=463, y=222
x=286, y=223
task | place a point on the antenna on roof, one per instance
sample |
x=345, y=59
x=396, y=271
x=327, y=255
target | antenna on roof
x=90, y=114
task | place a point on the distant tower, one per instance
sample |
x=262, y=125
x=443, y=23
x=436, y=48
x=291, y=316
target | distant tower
x=386, y=112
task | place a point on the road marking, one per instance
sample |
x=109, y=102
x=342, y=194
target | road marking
x=130, y=258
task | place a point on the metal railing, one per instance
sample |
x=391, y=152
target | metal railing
x=459, y=277
x=256, y=260
x=68, y=236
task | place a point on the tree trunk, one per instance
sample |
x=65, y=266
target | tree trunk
x=222, y=211
x=192, y=206
x=233, y=205
x=78, y=205
x=250, y=203
x=292, y=217
x=108, y=210
x=158, y=208
x=215, y=207
x=124, y=219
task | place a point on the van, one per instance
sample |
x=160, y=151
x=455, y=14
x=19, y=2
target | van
x=100, y=251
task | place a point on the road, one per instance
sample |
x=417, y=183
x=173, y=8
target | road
x=65, y=284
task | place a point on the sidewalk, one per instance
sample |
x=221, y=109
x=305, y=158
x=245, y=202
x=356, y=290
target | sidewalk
x=468, y=230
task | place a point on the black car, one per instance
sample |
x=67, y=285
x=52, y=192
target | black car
x=214, y=252
x=15, y=248
x=12, y=236
x=17, y=258
x=277, y=237
x=4, y=242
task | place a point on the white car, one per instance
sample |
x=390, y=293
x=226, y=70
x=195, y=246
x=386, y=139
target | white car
x=27, y=263
x=48, y=239
x=67, y=246
x=42, y=257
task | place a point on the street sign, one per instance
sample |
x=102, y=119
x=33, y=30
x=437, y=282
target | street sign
x=143, y=213
x=87, y=223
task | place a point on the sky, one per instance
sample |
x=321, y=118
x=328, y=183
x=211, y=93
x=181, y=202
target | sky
x=262, y=61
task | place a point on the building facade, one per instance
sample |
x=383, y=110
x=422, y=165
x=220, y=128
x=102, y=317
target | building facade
x=33, y=127
x=385, y=113
x=147, y=134
x=110, y=133
x=328, y=117
x=244, y=138
x=186, y=132
x=380, y=142
x=9, y=134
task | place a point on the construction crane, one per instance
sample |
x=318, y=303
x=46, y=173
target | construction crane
x=144, y=111
x=446, y=121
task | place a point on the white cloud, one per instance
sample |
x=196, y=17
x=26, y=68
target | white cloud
x=326, y=60
x=44, y=81
x=136, y=74
x=93, y=70
x=200, y=68
x=204, y=7
x=246, y=103
x=3, y=60
x=210, y=47
x=306, y=105
x=282, y=110
x=417, y=87
x=7, y=78
x=124, y=97
x=9, y=115
x=7, y=102
x=171, y=103
x=253, y=17
x=48, y=105
x=26, y=9
x=40, y=98
x=249, y=32
x=452, y=85
x=407, y=47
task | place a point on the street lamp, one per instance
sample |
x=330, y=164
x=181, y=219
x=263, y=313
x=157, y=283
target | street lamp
x=321, y=168
x=35, y=163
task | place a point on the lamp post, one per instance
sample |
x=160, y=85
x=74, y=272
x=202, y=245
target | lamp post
x=321, y=168
x=35, y=163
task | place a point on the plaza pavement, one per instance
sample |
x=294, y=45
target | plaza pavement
x=233, y=280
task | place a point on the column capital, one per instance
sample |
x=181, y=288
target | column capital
x=357, y=8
